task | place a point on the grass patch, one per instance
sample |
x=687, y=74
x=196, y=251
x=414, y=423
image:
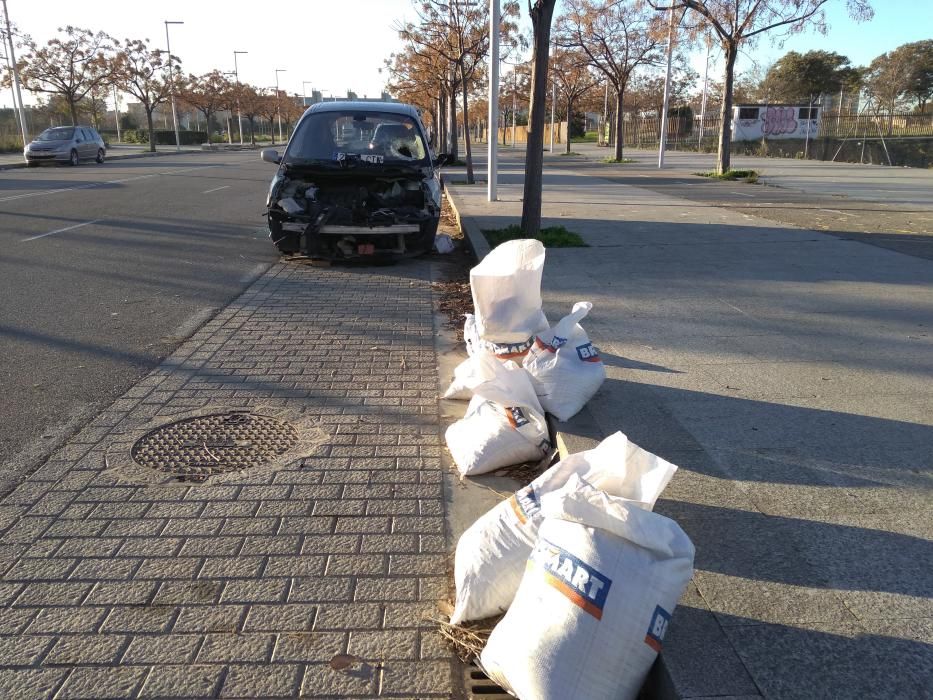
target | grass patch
x=618, y=161
x=551, y=237
x=733, y=175
x=588, y=137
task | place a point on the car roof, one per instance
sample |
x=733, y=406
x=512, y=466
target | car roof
x=349, y=106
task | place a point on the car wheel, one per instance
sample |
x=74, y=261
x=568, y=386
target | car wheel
x=73, y=157
x=100, y=155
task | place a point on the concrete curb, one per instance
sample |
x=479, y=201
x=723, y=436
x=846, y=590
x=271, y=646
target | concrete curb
x=124, y=156
x=578, y=434
x=469, y=227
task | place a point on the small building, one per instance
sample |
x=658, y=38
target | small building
x=752, y=122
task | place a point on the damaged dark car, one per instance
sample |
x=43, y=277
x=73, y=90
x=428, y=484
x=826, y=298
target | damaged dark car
x=357, y=181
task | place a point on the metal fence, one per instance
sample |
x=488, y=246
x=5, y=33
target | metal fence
x=685, y=132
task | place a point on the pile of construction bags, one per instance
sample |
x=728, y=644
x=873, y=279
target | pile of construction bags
x=584, y=570
x=519, y=367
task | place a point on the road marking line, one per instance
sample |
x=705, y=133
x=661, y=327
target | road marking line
x=834, y=211
x=743, y=194
x=216, y=189
x=104, y=182
x=61, y=230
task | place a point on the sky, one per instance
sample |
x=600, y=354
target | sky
x=336, y=45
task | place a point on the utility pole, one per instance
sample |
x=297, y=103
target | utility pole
x=492, y=140
x=709, y=46
x=553, y=101
x=514, y=88
x=278, y=108
x=667, y=89
x=116, y=114
x=171, y=76
x=239, y=114
x=11, y=57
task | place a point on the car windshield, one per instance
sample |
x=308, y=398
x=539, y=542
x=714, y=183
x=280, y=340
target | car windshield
x=346, y=138
x=58, y=133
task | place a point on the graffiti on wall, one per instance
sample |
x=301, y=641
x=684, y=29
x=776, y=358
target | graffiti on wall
x=779, y=120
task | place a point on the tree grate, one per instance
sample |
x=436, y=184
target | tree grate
x=195, y=449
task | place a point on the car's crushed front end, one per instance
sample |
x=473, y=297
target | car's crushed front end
x=353, y=213
x=355, y=183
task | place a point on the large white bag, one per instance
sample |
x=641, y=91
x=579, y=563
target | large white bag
x=565, y=366
x=609, y=575
x=506, y=289
x=504, y=423
x=491, y=554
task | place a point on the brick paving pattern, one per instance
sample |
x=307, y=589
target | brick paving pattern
x=249, y=587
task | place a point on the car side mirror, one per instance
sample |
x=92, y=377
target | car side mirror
x=441, y=160
x=270, y=155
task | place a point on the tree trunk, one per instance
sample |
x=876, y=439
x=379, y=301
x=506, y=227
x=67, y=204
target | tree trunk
x=541, y=13
x=442, y=120
x=569, y=109
x=252, y=132
x=620, y=125
x=466, y=128
x=724, y=160
x=452, y=141
x=73, y=108
x=151, y=130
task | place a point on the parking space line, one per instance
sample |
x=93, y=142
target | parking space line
x=61, y=230
x=216, y=189
x=742, y=194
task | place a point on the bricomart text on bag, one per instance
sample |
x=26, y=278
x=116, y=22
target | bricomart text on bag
x=579, y=582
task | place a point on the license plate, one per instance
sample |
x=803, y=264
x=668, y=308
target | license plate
x=366, y=249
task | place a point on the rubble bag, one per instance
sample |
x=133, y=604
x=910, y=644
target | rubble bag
x=565, y=367
x=504, y=423
x=491, y=554
x=475, y=345
x=506, y=289
x=609, y=574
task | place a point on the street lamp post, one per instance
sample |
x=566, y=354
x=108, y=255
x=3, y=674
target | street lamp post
x=554, y=100
x=20, y=110
x=492, y=140
x=278, y=108
x=304, y=90
x=667, y=90
x=239, y=114
x=171, y=76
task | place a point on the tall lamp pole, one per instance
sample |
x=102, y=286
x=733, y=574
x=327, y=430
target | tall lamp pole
x=492, y=139
x=278, y=108
x=171, y=75
x=304, y=90
x=239, y=114
x=667, y=89
x=12, y=59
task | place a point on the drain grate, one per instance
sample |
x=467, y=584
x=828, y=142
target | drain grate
x=479, y=686
x=195, y=449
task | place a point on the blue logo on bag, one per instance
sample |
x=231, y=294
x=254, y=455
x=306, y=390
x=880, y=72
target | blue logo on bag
x=516, y=417
x=525, y=504
x=579, y=582
x=588, y=352
x=658, y=627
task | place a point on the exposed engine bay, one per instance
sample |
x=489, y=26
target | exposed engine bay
x=346, y=214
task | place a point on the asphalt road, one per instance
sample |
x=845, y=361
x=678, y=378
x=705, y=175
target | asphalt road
x=104, y=270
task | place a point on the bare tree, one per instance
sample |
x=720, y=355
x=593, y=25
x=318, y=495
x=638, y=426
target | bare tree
x=144, y=73
x=268, y=108
x=71, y=65
x=541, y=13
x=207, y=94
x=251, y=105
x=574, y=80
x=617, y=36
x=738, y=23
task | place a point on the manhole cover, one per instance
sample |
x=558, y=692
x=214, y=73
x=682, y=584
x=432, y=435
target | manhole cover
x=194, y=449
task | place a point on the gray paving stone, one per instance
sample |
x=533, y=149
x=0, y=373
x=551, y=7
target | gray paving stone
x=231, y=647
x=305, y=647
x=320, y=680
x=80, y=649
x=160, y=650
x=423, y=677
x=140, y=619
x=210, y=618
x=385, y=645
x=24, y=650
x=87, y=683
x=350, y=616
x=189, y=681
x=282, y=617
x=30, y=683
x=232, y=567
x=261, y=681
x=258, y=591
x=122, y=592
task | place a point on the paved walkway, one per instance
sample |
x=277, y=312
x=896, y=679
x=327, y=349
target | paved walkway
x=248, y=588
x=790, y=374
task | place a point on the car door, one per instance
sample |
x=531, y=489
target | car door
x=88, y=147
